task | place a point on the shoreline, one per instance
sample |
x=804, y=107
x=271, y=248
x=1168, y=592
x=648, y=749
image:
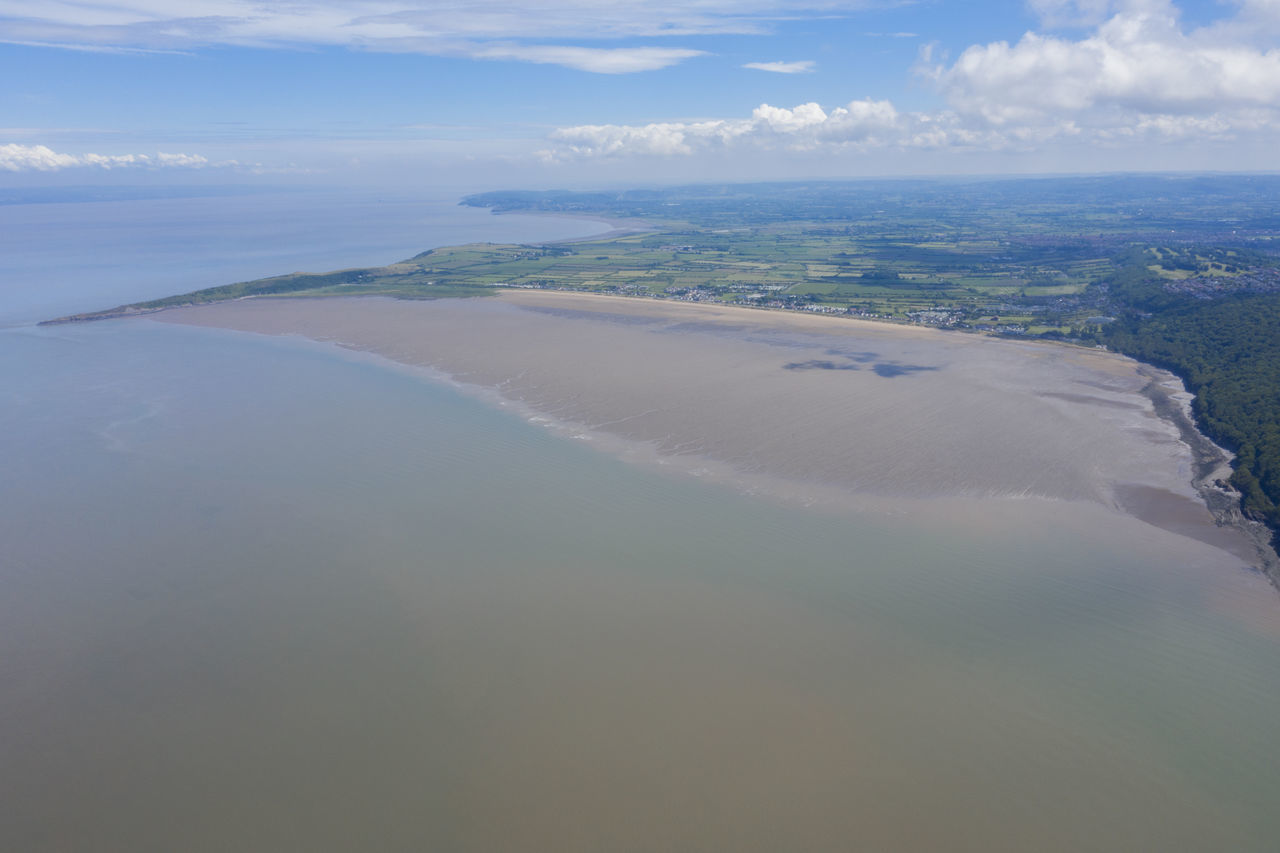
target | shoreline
x=1212, y=466
x=1211, y=463
x=1162, y=501
x=617, y=227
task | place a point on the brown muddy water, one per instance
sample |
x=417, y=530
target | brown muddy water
x=280, y=595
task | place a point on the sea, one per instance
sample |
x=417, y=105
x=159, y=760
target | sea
x=260, y=593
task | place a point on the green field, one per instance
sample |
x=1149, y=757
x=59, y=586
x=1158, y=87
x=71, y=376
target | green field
x=799, y=265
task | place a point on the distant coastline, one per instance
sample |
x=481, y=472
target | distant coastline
x=618, y=227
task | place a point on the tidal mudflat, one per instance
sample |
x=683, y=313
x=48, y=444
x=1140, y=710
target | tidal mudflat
x=818, y=410
x=267, y=594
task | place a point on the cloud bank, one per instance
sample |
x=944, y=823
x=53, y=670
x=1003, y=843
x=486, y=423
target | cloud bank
x=39, y=158
x=1136, y=76
x=867, y=123
x=802, y=67
x=479, y=29
x=1137, y=63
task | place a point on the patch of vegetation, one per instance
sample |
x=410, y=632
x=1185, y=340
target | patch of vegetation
x=1227, y=351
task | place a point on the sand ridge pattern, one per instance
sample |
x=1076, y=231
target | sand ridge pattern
x=804, y=407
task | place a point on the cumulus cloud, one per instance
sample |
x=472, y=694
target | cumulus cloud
x=481, y=29
x=858, y=125
x=1136, y=74
x=1256, y=22
x=40, y=158
x=803, y=66
x=1137, y=64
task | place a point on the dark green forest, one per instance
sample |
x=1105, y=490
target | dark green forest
x=1227, y=351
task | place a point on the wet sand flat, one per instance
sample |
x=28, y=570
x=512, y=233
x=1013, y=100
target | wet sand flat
x=320, y=602
x=813, y=409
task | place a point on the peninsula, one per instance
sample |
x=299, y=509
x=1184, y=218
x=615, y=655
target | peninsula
x=1179, y=272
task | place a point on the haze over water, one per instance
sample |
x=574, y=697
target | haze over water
x=261, y=594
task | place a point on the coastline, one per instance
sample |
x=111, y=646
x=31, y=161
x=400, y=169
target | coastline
x=565, y=571
x=1211, y=467
x=614, y=228
x=617, y=227
x=654, y=420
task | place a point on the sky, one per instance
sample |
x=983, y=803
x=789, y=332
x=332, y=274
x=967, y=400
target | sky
x=540, y=93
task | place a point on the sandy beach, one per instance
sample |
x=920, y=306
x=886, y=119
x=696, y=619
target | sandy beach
x=805, y=408
x=286, y=592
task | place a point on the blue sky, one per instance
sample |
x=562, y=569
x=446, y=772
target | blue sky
x=574, y=92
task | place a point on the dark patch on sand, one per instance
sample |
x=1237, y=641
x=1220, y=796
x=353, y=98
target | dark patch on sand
x=819, y=364
x=855, y=361
x=889, y=369
x=860, y=357
x=1180, y=514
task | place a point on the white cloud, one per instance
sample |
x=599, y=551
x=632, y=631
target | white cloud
x=40, y=158
x=859, y=125
x=34, y=158
x=483, y=29
x=1257, y=21
x=785, y=121
x=591, y=18
x=622, y=60
x=96, y=48
x=1137, y=65
x=1137, y=77
x=803, y=66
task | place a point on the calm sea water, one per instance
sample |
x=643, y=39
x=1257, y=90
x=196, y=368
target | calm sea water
x=261, y=595
x=66, y=258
